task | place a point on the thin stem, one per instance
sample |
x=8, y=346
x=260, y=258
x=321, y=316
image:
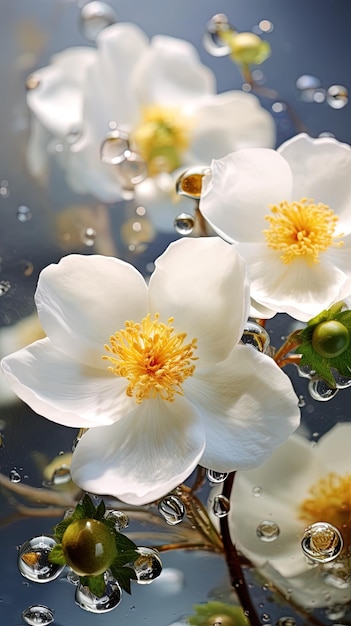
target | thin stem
x=290, y=344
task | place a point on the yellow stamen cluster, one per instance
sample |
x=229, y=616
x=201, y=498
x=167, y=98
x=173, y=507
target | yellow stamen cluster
x=301, y=229
x=152, y=358
x=330, y=501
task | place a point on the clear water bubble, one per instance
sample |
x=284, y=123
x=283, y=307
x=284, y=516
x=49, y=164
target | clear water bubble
x=268, y=531
x=301, y=402
x=119, y=518
x=342, y=382
x=257, y=491
x=279, y=107
x=172, y=509
x=132, y=170
x=216, y=477
x=89, y=236
x=147, y=566
x=319, y=96
x=319, y=390
x=38, y=615
x=337, y=96
x=61, y=475
x=184, y=224
x=33, y=81
x=307, y=86
x=212, y=41
x=337, y=574
x=221, y=506
x=256, y=336
x=286, y=621
x=94, y=17
x=114, y=147
x=5, y=286
x=335, y=612
x=322, y=542
x=189, y=183
x=15, y=477
x=265, y=617
x=266, y=26
x=24, y=214
x=109, y=601
x=73, y=135
x=73, y=578
x=33, y=560
x=305, y=371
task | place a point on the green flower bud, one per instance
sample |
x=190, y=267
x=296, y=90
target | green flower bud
x=89, y=547
x=330, y=338
x=246, y=48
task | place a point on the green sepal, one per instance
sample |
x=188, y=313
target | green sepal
x=123, y=575
x=56, y=555
x=100, y=511
x=96, y=584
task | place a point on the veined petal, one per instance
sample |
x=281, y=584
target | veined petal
x=63, y=390
x=83, y=300
x=142, y=457
x=248, y=406
x=237, y=196
x=209, y=301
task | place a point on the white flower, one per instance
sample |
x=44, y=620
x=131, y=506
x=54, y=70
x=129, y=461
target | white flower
x=159, y=412
x=301, y=484
x=158, y=91
x=289, y=214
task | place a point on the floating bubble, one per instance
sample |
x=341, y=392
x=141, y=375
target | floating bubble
x=24, y=214
x=114, y=147
x=216, y=477
x=337, y=96
x=109, y=601
x=38, y=615
x=221, y=506
x=189, y=183
x=257, y=491
x=5, y=286
x=286, y=621
x=308, y=86
x=73, y=578
x=132, y=170
x=301, y=402
x=279, y=107
x=94, y=17
x=33, y=560
x=89, y=236
x=120, y=519
x=266, y=26
x=322, y=542
x=73, y=135
x=172, y=509
x=337, y=574
x=15, y=477
x=184, y=224
x=268, y=531
x=33, y=81
x=319, y=96
x=342, y=382
x=212, y=41
x=61, y=475
x=319, y=390
x=256, y=336
x=147, y=566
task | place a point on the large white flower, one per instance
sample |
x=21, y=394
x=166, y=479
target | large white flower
x=289, y=214
x=301, y=484
x=153, y=412
x=158, y=91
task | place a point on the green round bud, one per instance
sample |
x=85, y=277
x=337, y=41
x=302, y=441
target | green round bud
x=89, y=547
x=247, y=48
x=330, y=338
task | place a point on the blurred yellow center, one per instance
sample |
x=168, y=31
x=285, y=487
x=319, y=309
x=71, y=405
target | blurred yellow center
x=152, y=357
x=301, y=230
x=161, y=138
x=330, y=501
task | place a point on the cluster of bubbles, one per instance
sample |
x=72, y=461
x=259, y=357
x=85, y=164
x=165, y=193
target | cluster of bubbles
x=318, y=388
x=189, y=185
x=310, y=90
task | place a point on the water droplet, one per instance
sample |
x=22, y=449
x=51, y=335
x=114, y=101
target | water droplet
x=120, y=519
x=28, y=268
x=279, y=107
x=132, y=170
x=73, y=578
x=33, y=81
x=216, y=477
x=109, y=601
x=147, y=566
x=257, y=491
x=38, y=615
x=73, y=135
x=268, y=531
x=61, y=475
x=320, y=391
x=337, y=574
x=89, y=236
x=172, y=509
x=5, y=286
x=184, y=224
x=24, y=214
x=342, y=382
x=94, y=17
x=335, y=612
x=322, y=542
x=337, y=96
x=256, y=336
x=286, y=621
x=15, y=477
x=33, y=560
x=266, y=26
x=114, y=147
x=221, y=506
x=307, y=86
x=304, y=371
x=265, y=617
x=301, y=402
x=212, y=41
x=189, y=183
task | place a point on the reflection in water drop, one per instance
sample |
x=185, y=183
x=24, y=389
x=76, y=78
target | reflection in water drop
x=337, y=96
x=24, y=214
x=38, y=615
x=189, y=183
x=212, y=41
x=221, y=506
x=184, y=224
x=308, y=86
x=114, y=147
x=286, y=621
x=94, y=17
x=73, y=578
x=61, y=475
x=322, y=542
x=320, y=391
x=147, y=566
x=132, y=170
x=109, y=601
x=268, y=531
x=89, y=236
x=33, y=560
x=257, y=491
x=5, y=286
x=120, y=519
x=256, y=336
x=216, y=477
x=15, y=477
x=172, y=509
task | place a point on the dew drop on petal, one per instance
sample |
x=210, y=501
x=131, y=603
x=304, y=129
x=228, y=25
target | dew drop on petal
x=307, y=86
x=216, y=477
x=172, y=509
x=189, y=183
x=109, y=601
x=184, y=224
x=61, y=475
x=15, y=477
x=322, y=542
x=38, y=615
x=221, y=506
x=256, y=336
x=132, y=170
x=286, y=621
x=120, y=519
x=337, y=96
x=5, y=286
x=94, y=17
x=114, y=147
x=320, y=391
x=257, y=491
x=147, y=566
x=268, y=531
x=212, y=41
x=24, y=214
x=33, y=560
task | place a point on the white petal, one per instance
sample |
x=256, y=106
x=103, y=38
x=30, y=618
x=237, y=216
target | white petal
x=248, y=406
x=83, y=300
x=63, y=390
x=243, y=185
x=334, y=448
x=142, y=457
x=208, y=300
x=158, y=196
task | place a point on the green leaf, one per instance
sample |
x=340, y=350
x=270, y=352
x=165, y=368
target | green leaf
x=100, y=511
x=88, y=507
x=96, y=584
x=317, y=363
x=128, y=556
x=124, y=575
x=56, y=555
x=123, y=543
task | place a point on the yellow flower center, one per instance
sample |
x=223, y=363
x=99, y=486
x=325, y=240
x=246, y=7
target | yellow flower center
x=301, y=230
x=161, y=138
x=152, y=357
x=330, y=501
